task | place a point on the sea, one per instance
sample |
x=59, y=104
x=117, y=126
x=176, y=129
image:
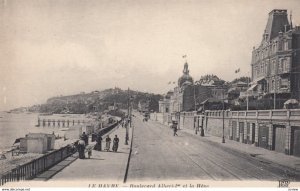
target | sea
x=17, y=125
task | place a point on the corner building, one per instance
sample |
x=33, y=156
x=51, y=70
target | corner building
x=276, y=62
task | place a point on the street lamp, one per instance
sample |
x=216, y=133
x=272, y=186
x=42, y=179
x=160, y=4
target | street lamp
x=195, y=108
x=128, y=119
x=223, y=138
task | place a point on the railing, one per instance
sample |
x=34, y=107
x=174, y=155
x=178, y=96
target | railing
x=286, y=114
x=29, y=170
x=60, y=122
x=105, y=130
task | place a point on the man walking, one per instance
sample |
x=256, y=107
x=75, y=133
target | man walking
x=175, y=128
x=116, y=143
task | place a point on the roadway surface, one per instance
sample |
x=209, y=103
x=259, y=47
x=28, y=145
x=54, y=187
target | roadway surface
x=158, y=155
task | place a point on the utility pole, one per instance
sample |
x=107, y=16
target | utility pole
x=128, y=110
x=247, y=93
x=195, y=109
x=274, y=94
x=223, y=138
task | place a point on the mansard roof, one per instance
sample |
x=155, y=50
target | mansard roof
x=277, y=22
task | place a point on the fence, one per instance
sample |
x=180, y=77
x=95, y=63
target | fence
x=29, y=170
x=105, y=130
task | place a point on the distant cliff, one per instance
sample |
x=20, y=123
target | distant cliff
x=98, y=101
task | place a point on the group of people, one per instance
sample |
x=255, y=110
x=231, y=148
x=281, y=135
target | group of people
x=99, y=139
x=115, y=143
x=82, y=145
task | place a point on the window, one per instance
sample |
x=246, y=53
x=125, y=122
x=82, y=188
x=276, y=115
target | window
x=281, y=63
x=273, y=66
x=284, y=83
x=286, y=45
x=262, y=68
x=273, y=85
x=287, y=64
x=280, y=44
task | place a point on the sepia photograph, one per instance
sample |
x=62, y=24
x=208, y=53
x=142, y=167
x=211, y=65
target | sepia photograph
x=123, y=94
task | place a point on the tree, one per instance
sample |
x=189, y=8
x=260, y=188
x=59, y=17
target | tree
x=244, y=79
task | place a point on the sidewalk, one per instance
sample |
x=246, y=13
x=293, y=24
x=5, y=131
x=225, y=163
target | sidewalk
x=101, y=166
x=260, y=153
x=272, y=156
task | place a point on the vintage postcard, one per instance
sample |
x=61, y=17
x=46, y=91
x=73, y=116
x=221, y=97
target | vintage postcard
x=149, y=94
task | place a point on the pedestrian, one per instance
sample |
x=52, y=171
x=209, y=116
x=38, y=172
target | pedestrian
x=98, y=145
x=85, y=138
x=89, y=152
x=115, y=143
x=175, y=129
x=108, y=140
x=81, y=147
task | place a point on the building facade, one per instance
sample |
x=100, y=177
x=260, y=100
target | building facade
x=187, y=96
x=275, y=63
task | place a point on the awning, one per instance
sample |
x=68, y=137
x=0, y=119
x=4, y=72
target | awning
x=259, y=79
x=252, y=87
x=17, y=141
x=210, y=100
x=291, y=101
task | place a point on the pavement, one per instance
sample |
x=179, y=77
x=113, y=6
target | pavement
x=250, y=149
x=158, y=155
x=101, y=166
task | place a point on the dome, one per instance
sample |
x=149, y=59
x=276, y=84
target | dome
x=187, y=83
x=185, y=78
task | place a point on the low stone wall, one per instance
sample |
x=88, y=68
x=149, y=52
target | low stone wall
x=277, y=130
x=187, y=120
x=214, y=124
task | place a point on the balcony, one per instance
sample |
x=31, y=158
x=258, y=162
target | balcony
x=284, y=90
x=249, y=94
x=284, y=70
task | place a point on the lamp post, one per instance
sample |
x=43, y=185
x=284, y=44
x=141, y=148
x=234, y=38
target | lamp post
x=247, y=93
x=223, y=137
x=128, y=111
x=195, y=108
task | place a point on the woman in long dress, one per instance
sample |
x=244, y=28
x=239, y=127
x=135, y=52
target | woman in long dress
x=81, y=148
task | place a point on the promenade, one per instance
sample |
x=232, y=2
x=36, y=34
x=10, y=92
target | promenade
x=102, y=166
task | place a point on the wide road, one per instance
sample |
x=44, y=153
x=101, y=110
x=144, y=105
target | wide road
x=158, y=155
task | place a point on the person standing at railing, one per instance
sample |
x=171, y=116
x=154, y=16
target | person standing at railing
x=108, y=140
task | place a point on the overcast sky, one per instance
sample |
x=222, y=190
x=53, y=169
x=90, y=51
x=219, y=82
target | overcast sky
x=50, y=48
